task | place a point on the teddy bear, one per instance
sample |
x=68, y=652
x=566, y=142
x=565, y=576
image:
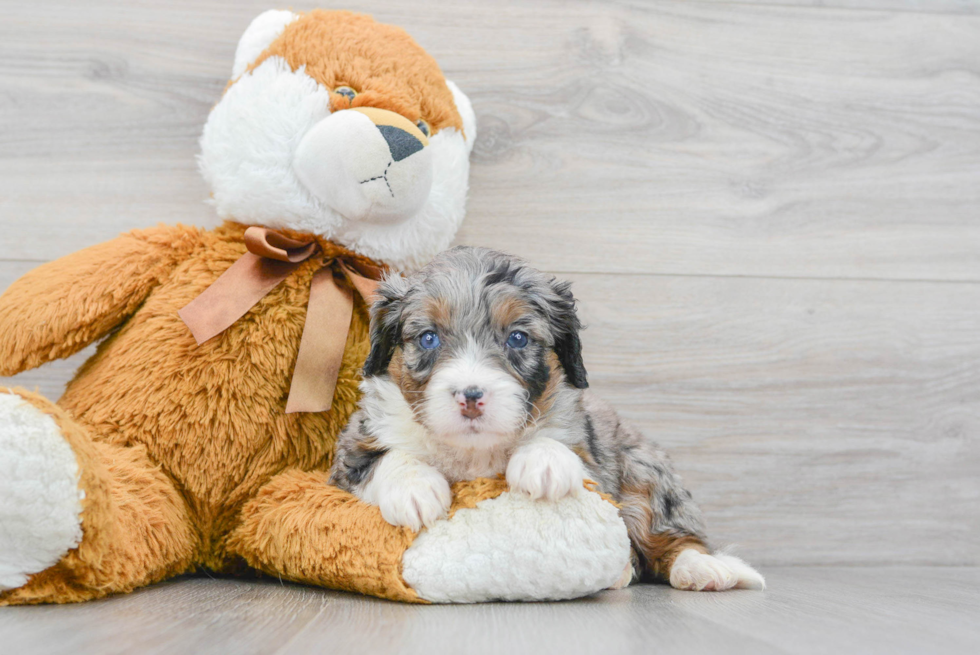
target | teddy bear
x=200, y=433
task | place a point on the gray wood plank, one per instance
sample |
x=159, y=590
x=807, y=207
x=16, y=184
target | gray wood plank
x=636, y=620
x=805, y=610
x=817, y=422
x=190, y=616
x=914, y=6
x=665, y=137
x=855, y=610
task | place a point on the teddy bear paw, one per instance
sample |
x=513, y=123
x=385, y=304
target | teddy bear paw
x=40, y=501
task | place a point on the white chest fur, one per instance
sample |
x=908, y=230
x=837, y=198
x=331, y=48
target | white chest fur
x=460, y=463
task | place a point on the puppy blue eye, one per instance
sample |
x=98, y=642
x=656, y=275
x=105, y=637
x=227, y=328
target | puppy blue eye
x=429, y=340
x=517, y=339
x=423, y=127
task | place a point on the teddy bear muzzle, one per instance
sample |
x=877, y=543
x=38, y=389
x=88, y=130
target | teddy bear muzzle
x=367, y=164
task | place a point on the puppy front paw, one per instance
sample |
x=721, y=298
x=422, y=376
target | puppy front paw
x=418, y=504
x=408, y=492
x=545, y=468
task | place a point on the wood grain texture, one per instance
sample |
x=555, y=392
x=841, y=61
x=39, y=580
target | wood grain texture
x=805, y=610
x=670, y=137
x=816, y=421
x=913, y=6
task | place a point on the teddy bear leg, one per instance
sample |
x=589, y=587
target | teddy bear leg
x=298, y=527
x=80, y=518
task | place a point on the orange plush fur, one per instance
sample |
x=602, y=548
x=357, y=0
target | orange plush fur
x=187, y=458
x=196, y=429
x=388, y=70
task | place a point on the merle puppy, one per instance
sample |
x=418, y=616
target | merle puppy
x=476, y=370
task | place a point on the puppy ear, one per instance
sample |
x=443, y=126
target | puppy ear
x=386, y=324
x=566, y=326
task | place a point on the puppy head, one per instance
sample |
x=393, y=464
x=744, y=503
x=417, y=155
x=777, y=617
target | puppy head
x=478, y=342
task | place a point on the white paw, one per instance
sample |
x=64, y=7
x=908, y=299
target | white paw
x=696, y=571
x=40, y=502
x=408, y=492
x=545, y=468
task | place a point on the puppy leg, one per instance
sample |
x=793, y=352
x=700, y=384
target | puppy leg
x=697, y=571
x=667, y=531
x=408, y=492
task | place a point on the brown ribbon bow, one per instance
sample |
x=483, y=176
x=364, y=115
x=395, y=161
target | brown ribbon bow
x=270, y=259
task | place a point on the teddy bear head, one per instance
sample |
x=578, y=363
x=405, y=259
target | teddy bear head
x=341, y=127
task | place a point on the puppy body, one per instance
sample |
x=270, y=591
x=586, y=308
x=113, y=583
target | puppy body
x=476, y=371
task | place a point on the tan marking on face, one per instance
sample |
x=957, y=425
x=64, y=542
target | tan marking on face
x=507, y=310
x=396, y=366
x=382, y=63
x=412, y=390
x=439, y=311
x=546, y=401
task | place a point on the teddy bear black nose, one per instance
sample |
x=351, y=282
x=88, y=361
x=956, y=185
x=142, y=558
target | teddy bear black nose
x=400, y=143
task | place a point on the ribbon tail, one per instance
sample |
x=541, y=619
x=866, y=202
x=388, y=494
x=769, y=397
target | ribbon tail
x=235, y=292
x=367, y=287
x=321, y=348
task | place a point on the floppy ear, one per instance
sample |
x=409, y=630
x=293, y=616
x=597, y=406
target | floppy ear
x=259, y=35
x=386, y=325
x=566, y=326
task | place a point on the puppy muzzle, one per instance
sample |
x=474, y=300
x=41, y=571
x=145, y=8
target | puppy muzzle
x=470, y=401
x=367, y=164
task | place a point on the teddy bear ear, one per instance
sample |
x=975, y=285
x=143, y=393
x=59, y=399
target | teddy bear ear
x=465, y=109
x=262, y=31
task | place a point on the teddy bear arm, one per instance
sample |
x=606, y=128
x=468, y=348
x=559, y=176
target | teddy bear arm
x=60, y=307
x=300, y=528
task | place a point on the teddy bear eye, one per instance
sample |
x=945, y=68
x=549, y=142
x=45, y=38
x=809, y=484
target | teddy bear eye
x=345, y=91
x=424, y=127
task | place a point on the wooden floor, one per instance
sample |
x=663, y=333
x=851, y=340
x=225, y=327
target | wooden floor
x=889, y=610
x=770, y=210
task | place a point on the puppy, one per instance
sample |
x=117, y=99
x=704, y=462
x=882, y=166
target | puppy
x=476, y=370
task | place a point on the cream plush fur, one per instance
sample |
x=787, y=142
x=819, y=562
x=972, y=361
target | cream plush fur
x=513, y=548
x=40, y=502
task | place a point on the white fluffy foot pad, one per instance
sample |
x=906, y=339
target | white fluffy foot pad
x=515, y=548
x=696, y=571
x=40, y=501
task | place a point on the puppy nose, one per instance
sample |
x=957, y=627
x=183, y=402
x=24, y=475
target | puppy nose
x=401, y=144
x=470, y=402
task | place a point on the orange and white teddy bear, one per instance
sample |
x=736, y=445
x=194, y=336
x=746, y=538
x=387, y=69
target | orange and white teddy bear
x=200, y=433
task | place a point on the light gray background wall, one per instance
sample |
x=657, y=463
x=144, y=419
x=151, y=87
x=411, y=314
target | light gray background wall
x=770, y=210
